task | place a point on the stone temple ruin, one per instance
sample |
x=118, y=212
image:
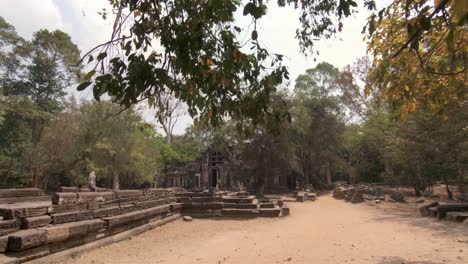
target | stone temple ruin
x=43, y=229
x=222, y=169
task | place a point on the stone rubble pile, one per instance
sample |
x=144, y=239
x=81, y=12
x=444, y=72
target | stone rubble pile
x=457, y=212
x=30, y=230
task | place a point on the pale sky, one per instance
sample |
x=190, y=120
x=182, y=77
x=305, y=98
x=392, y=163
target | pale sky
x=80, y=20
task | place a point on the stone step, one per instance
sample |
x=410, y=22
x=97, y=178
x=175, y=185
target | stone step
x=36, y=221
x=128, y=193
x=9, y=226
x=214, y=205
x=62, y=232
x=74, y=216
x=241, y=205
x=237, y=200
x=135, y=216
x=200, y=199
x=269, y=212
x=457, y=216
x=26, y=239
x=241, y=213
x=424, y=210
x=267, y=205
x=6, y=193
x=196, y=194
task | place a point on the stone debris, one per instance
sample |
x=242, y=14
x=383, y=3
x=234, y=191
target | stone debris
x=397, y=196
x=187, y=218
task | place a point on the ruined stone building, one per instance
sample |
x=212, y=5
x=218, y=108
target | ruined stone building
x=225, y=170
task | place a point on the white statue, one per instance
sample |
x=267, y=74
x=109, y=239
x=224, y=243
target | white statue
x=92, y=181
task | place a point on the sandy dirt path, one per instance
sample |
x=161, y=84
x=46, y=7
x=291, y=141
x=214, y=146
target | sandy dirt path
x=320, y=232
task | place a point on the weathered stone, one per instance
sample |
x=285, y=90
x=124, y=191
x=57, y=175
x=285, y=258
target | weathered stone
x=240, y=213
x=64, y=198
x=420, y=200
x=465, y=223
x=127, y=208
x=237, y=200
x=67, y=207
x=26, y=239
x=195, y=194
x=154, y=203
x=358, y=196
x=241, y=205
x=106, y=212
x=66, y=231
x=339, y=193
x=284, y=211
x=9, y=226
x=280, y=203
x=109, y=203
x=128, y=200
x=16, y=211
x=267, y=205
x=68, y=189
x=202, y=213
x=200, y=199
x=3, y=243
x=156, y=191
x=457, y=216
x=216, y=205
x=71, y=216
x=176, y=207
x=128, y=193
x=6, y=193
x=96, y=196
x=397, y=196
x=269, y=212
x=187, y=218
x=135, y=216
x=443, y=209
x=37, y=221
x=92, y=205
x=23, y=199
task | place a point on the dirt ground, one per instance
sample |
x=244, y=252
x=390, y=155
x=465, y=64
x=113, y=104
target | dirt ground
x=320, y=232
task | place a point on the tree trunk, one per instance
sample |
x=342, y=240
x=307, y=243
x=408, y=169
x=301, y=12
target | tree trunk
x=115, y=176
x=328, y=173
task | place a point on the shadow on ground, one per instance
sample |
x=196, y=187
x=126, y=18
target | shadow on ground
x=398, y=260
x=408, y=214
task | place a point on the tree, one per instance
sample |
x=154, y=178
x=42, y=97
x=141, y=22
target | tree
x=38, y=70
x=317, y=122
x=168, y=110
x=437, y=42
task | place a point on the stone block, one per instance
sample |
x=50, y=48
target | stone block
x=67, y=207
x=128, y=193
x=200, y=199
x=457, y=216
x=26, y=239
x=3, y=243
x=106, y=212
x=9, y=226
x=269, y=212
x=237, y=200
x=92, y=205
x=195, y=194
x=424, y=210
x=241, y=213
x=176, y=207
x=67, y=189
x=216, y=205
x=66, y=231
x=136, y=216
x=6, y=193
x=71, y=216
x=127, y=208
x=64, y=198
x=97, y=196
x=267, y=205
x=37, y=221
x=284, y=211
x=109, y=203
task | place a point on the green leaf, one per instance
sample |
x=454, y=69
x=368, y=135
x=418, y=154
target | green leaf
x=102, y=55
x=83, y=86
x=89, y=75
x=249, y=8
x=254, y=35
